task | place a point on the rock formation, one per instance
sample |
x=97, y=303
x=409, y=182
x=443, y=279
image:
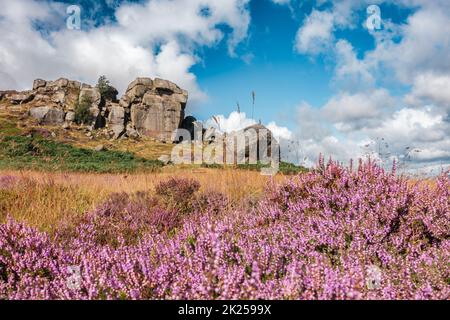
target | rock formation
x=153, y=108
x=258, y=143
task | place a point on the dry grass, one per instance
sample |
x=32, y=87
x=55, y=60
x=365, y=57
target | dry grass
x=43, y=199
x=14, y=121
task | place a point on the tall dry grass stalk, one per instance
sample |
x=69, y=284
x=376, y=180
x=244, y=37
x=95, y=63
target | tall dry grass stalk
x=42, y=199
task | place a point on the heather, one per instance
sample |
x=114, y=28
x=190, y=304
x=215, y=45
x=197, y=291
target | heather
x=332, y=233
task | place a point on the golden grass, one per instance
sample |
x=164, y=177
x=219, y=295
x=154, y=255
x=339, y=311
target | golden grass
x=47, y=197
x=13, y=121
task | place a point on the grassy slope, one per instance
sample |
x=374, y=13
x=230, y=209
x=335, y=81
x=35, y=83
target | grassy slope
x=21, y=148
x=18, y=152
x=71, y=150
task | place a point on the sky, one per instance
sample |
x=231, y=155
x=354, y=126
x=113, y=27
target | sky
x=327, y=77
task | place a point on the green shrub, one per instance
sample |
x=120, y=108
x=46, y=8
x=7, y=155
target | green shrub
x=37, y=153
x=284, y=168
x=82, y=112
x=107, y=91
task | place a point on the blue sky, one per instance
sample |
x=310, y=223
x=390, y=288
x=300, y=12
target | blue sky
x=321, y=77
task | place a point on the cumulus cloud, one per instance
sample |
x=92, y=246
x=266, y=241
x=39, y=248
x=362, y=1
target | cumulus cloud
x=430, y=87
x=351, y=112
x=414, y=54
x=236, y=121
x=351, y=73
x=316, y=33
x=281, y=1
x=280, y=133
x=155, y=38
x=418, y=137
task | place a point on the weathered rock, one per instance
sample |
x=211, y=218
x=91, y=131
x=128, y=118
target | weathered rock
x=166, y=87
x=91, y=94
x=39, y=83
x=153, y=108
x=60, y=83
x=23, y=97
x=259, y=138
x=74, y=84
x=47, y=115
x=39, y=113
x=66, y=126
x=58, y=97
x=99, y=148
x=131, y=132
x=156, y=107
x=146, y=82
x=54, y=116
x=125, y=102
x=62, y=93
x=70, y=116
x=116, y=120
x=189, y=124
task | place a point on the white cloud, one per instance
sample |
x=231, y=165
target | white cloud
x=234, y=122
x=280, y=133
x=156, y=38
x=351, y=73
x=281, y=1
x=238, y=120
x=423, y=48
x=430, y=87
x=351, y=112
x=415, y=53
x=316, y=34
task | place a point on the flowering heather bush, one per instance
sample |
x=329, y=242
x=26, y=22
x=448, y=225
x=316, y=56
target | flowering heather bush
x=329, y=234
x=122, y=219
x=7, y=182
x=178, y=193
x=210, y=202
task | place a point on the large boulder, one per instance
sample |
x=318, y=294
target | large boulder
x=47, y=115
x=39, y=83
x=261, y=139
x=149, y=107
x=156, y=107
x=116, y=120
x=22, y=97
x=188, y=124
x=91, y=94
x=62, y=93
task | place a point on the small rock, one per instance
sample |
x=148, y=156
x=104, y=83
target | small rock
x=89, y=134
x=53, y=135
x=99, y=148
x=164, y=159
x=70, y=116
x=66, y=126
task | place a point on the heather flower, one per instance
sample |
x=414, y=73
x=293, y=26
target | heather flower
x=178, y=193
x=333, y=233
x=7, y=182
